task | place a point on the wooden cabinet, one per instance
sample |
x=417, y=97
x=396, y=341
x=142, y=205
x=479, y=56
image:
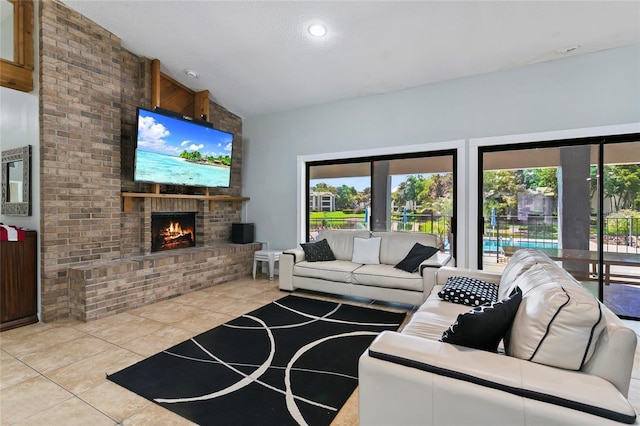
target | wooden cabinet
x=18, y=283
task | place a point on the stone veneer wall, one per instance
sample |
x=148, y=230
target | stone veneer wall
x=89, y=90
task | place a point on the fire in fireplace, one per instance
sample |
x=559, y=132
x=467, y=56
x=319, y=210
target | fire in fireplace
x=172, y=231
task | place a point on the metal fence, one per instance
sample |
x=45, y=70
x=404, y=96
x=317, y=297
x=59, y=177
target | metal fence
x=621, y=235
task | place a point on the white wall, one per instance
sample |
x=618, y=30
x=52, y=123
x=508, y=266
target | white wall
x=19, y=126
x=591, y=90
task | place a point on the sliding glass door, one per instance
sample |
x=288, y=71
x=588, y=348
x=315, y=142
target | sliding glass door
x=620, y=199
x=577, y=201
x=404, y=193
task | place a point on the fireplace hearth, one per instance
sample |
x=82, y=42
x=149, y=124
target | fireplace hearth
x=171, y=231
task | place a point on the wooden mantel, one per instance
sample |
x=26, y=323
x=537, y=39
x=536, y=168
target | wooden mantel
x=128, y=196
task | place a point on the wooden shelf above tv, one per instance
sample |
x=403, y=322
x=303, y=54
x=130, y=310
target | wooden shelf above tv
x=128, y=196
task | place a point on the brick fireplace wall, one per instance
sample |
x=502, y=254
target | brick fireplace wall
x=90, y=87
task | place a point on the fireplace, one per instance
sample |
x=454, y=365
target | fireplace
x=172, y=230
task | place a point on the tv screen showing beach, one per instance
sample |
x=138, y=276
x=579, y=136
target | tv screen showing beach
x=181, y=152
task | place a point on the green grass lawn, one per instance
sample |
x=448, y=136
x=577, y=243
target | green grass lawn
x=334, y=215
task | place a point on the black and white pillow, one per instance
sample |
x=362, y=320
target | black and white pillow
x=319, y=251
x=484, y=326
x=468, y=291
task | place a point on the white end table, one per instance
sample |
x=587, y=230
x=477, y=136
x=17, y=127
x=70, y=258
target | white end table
x=271, y=256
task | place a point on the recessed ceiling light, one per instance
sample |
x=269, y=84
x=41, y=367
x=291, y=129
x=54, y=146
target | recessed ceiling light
x=191, y=73
x=317, y=30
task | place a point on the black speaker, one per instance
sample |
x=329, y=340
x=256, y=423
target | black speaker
x=242, y=233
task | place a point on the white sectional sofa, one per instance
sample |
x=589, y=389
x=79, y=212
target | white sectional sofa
x=569, y=358
x=380, y=281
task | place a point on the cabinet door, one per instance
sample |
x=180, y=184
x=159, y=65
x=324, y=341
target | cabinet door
x=18, y=298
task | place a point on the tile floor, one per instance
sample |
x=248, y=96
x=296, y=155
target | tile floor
x=54, y=373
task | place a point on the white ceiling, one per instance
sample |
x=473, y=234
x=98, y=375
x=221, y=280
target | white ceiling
x=256, y=57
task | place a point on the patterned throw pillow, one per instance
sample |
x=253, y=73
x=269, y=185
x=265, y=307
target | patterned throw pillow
x=468, y=291
x=484, y=326
x=319, y=251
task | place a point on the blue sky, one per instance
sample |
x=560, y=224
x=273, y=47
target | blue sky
x=359, y=183
x=170, y=136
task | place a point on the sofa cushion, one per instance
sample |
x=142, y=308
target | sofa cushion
x=519, y=263
x=433, y=317
x=341, y=241
x=318, y=251
x=558, y=321
x=415, y=257
x=484, y=326
x=468, y=291
x=366, y=251
x=387, y=276
x=395, y=245
x=336, y=270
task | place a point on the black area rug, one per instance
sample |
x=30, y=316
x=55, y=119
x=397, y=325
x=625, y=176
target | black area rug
x=623, y=300
x=293, y=361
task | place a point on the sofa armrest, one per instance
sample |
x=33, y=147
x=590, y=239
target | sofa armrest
x=287, y=261
x=429, y=268
x=451, y=271
x=411, y=379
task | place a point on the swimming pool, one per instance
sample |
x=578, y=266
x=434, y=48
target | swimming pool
x=490, y=245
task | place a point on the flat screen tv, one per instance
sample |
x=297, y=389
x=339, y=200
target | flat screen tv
x=174, y=150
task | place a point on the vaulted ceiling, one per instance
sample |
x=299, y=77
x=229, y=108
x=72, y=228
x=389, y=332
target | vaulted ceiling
x=257, y=57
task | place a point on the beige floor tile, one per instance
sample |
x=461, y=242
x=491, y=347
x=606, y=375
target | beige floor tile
x=155, y=415
x=27, y=398
x=203, y=322
x=122, y=328
x=91, y=372
x=57, y=356
x=206, y=301
x=241, y=291
x=348, y=414
x=13, y=371
x=218, y=301
x=240, y=307
x=69, y=413
x=267, y=296
x=169, y=312
x=158, y=341
x=115, y=401
x=23, y=343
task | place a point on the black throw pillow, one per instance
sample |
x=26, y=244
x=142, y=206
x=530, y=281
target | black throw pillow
x=415, y=257
x=468, y=291
x=319, y=251
x=484, y=326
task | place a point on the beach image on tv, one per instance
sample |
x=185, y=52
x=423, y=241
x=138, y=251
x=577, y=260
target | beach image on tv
x=180, y=152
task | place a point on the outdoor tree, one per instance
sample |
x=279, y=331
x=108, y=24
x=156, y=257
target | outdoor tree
x=345, y=196
x=622, y=186
x=542, y=177
x=323, y=187
x=500, y=191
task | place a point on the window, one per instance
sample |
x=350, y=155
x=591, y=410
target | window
x=578, y=201
x=402, y=193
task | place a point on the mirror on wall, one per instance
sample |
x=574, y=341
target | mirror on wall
x=16, y=188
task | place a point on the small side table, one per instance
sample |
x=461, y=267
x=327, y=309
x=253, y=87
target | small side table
x=271, y=256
